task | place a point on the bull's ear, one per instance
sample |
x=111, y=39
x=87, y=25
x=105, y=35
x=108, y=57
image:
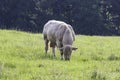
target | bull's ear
x=74, y=48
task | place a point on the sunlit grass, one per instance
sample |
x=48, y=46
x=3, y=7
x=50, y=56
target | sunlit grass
x=22, y=57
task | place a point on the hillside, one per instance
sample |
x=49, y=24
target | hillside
x=22, y=57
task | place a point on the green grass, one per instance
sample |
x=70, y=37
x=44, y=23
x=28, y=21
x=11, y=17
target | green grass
x=22, y=57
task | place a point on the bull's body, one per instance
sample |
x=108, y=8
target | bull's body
x=61, y=35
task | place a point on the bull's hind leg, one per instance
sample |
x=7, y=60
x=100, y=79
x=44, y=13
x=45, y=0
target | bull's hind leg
x=46, y=45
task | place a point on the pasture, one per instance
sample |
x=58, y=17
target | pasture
x=22, y=57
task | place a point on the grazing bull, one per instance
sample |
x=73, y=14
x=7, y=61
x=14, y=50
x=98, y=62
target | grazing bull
x=59, y=34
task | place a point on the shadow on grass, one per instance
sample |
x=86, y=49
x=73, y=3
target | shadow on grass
x=49, y=57
x=38, y=56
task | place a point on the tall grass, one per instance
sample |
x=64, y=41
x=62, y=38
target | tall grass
x=22, y=57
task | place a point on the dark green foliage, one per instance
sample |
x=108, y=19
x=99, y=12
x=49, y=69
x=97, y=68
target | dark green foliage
x=97, y=75
x=96, y=17
x=113, y=57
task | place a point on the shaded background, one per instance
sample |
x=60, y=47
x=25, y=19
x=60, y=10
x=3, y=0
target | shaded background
x=88, y=17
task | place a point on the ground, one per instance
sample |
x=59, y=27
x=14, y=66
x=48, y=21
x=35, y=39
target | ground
x=22, y=57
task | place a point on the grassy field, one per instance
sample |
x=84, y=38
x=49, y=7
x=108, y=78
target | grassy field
x=22, y=57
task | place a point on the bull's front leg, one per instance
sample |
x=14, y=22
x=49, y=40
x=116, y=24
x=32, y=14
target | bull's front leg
x=59, y=45
x=53, y=51
x=53, y=48
x=61, y=52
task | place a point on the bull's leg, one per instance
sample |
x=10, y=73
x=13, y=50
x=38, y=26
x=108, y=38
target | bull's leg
x=53, y=48
x=59, y=45
x=61, y=52
x=46, y=46
x=53, y=51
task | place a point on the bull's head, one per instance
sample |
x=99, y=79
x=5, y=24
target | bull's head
x=67, y=50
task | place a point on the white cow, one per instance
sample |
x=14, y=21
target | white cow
x=59, y=34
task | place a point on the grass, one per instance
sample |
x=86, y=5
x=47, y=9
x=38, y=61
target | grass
x=22, y=57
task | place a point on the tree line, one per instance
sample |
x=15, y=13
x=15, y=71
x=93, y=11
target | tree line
x=96, y=17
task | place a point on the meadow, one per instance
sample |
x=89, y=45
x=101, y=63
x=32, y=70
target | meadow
x=22, y=57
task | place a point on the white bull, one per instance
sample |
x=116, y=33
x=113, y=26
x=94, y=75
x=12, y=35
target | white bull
x=59, y=34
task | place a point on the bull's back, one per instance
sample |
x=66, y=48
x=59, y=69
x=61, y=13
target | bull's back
x=50, y=29
x=55, y=30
